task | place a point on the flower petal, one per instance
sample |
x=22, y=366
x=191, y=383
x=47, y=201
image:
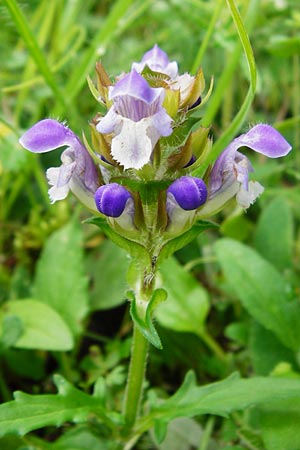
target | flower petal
x=46, y=135
x=56, y=192
x=263, y=139
x=133, y=146
x=135, y=86
x=158, y=61
x=246, y=197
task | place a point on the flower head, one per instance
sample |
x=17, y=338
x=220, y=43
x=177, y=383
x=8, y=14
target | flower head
x=230, y=174
x=136, y=119
x=77, y=172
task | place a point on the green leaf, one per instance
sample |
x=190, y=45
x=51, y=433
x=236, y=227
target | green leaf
x=41, y=326
x=133, y=248
x=223, y=397
x=187, y=305
x=280, y=424
x=275, y=242
x=12, y=443
x=11, y=328
x=107, y=267
x=266, y=350
x=261, y=289
x=182, y=434
x=143, y=319
x=81, y=438
x=30, y=412
x=174, y=244
x=61, y=280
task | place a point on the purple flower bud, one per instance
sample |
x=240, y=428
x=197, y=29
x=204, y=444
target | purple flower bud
x=189, y=192
x=111, y=199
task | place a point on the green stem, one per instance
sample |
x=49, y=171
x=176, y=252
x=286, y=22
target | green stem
x=212, y=345
x=207, y=433
x=137, y=369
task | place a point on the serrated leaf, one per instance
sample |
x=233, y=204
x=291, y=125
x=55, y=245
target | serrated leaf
x=223, y=397
x=187, y=305
x=261, y=289
x=61, y=280
x=41, y=326
x=30, y=412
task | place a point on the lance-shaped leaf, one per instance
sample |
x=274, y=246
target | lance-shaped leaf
x=220, y=398
x=262, y=290
x=30, y=412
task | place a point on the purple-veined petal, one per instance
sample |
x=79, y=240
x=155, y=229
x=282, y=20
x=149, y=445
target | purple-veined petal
x=132, y=147
x=46, y=135
x=135, y=86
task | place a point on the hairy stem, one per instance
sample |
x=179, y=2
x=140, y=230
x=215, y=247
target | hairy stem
x=137, y=369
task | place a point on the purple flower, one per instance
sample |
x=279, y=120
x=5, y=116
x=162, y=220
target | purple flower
x=158, y=61
x=111, y=199
x=77, y=172
x=189, y=192
x=136, y=119
x=230, y=174
x=184, y=196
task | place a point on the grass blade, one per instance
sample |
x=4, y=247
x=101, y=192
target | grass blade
x=34, y=49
